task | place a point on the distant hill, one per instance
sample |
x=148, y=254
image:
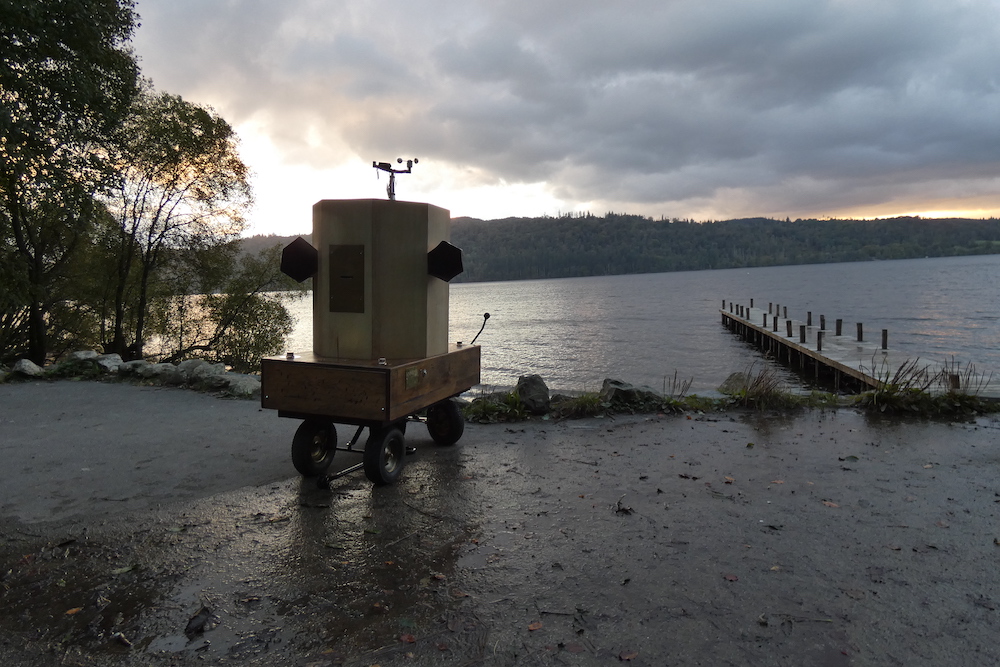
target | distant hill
x=524, y=248
x=587, y=245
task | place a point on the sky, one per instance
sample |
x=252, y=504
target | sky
x=692, y=109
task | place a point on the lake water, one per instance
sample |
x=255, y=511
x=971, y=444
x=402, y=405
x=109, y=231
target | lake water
x=575, y=332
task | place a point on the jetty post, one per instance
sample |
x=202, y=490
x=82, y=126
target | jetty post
x=812, y=350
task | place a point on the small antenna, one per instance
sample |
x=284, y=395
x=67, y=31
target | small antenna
x=486, y=316
x=387, y=167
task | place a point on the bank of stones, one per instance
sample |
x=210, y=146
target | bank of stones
x=194, y=373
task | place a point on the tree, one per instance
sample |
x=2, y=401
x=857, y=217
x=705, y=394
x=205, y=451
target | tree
x=182, y=185
x=13, y=299
x=225, y=307
x=67, y=79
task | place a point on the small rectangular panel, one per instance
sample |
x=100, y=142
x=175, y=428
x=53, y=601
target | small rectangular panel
x=347, y=278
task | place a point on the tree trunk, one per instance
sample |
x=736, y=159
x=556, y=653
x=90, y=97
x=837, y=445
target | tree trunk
x=37, y=348
x=125, y=256
x=140, y=316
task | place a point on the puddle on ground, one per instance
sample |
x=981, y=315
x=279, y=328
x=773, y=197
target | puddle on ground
x=340, y=572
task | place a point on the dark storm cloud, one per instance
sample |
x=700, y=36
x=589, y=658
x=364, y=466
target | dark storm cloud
x=663, y=106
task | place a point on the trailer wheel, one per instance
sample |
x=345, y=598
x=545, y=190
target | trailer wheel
x=445, y=422
x=384, y=454
x=313, y=447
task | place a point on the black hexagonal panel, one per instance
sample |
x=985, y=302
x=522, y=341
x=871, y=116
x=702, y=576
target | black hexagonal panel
x=445, y=261
x=299, y=260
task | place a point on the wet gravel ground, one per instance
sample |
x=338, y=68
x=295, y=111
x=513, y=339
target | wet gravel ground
x=823, y=538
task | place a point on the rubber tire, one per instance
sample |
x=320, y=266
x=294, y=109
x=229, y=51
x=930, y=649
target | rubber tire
x=384, y=455
x=313, y=447
x=445, y=423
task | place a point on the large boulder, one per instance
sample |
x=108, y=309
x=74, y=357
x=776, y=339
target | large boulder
x=188, y=367
x=86, y=363
x=162, y=373
x=27, y=368
x=621, y=395
x=109, y=363
x=132, y=367
x=209, y=376
x=735, y=384
x=533, y=393
x=242, y=385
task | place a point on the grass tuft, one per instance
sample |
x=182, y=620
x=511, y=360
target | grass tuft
x=908, y=390
x=760, y=389
x=492, y=407
x=588, y=404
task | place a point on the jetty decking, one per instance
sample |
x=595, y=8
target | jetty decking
x=835, y=355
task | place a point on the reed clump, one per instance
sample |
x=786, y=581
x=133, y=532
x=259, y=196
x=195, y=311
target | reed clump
x=760, y=388
x=678, y=387
x=913, y=388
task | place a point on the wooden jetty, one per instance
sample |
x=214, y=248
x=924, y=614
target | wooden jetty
x=844, y=359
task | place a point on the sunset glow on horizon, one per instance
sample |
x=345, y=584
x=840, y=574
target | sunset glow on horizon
x=668, y=110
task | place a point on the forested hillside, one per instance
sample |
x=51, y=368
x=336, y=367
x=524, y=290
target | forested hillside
x=524, y=248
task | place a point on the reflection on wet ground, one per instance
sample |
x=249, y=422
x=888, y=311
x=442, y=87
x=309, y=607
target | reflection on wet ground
x=701, y=539
x=335, y=573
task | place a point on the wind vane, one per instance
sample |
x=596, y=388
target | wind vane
x=387, y=167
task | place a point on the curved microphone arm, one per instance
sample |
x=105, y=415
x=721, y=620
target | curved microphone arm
x=486, y=316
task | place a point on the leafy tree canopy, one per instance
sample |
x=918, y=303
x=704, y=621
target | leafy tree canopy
x=181, y=184
x=67, y=78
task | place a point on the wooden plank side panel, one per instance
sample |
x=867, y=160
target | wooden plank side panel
x=317, y=389
x=416, y=385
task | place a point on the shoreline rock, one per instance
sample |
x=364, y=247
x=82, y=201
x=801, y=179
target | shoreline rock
x=27, y=368
x=534, y=394
x=622, y=394
x=196, y=374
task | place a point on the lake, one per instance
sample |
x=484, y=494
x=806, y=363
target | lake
x=575, y=332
